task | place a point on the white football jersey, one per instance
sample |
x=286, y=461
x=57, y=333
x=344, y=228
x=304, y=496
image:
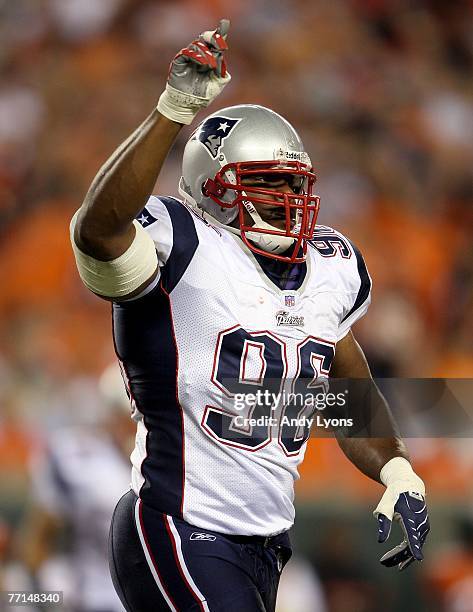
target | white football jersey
x=212, y=328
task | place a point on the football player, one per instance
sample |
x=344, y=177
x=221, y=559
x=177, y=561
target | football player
x=229, y=291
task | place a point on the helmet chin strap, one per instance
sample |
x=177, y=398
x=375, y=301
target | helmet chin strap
x=268, y=242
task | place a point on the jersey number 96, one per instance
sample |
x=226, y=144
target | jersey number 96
x=250, y=369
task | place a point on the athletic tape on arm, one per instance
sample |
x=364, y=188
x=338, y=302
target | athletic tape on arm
x=121, y=276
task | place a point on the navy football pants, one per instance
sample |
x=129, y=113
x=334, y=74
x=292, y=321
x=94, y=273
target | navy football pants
x=159, y=562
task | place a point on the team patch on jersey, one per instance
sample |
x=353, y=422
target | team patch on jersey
x=145, y=218
x=285, y=319
x=202, y=537
x=213, y=132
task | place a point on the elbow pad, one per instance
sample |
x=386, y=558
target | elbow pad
x=121, y=276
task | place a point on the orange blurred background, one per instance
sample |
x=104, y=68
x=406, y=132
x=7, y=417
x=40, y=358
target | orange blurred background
x=381, y=92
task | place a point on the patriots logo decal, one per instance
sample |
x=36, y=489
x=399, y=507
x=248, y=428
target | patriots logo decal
x=213, y=132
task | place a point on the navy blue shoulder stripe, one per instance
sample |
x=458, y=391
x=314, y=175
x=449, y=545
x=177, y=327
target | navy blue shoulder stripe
x=365, y=284
x=185, y=242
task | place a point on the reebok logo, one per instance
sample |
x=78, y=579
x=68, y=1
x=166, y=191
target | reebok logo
x=202, y=537
x=301, y=156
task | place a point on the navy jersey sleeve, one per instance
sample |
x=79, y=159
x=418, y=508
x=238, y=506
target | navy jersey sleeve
x=171, y=226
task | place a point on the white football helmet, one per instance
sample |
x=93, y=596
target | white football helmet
x=226, y=157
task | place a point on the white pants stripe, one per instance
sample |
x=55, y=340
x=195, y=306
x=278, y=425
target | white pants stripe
x=178, y=548
x=149, y=558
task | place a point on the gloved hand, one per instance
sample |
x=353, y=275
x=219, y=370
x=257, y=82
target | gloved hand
x=403, y=501
x=196, y=76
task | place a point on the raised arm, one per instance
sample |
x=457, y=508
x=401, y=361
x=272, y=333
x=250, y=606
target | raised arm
x=384, y=458
x=104, y=228
x=115, y=257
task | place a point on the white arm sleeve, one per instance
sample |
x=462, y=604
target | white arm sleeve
x=121, y=276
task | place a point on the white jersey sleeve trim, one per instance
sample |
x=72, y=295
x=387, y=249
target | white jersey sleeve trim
x=172, y=227
x=156, y=221
x=359, y=301
x=352, y=319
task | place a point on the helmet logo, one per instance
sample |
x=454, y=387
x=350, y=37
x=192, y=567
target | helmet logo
x=213, y=132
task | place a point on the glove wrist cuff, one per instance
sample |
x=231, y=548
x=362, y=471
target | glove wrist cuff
x=399, y=469
x=179, y=106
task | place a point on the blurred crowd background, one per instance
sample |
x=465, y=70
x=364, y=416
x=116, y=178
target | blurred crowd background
x=382, y=93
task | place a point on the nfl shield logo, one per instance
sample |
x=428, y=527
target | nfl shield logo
x=289, y=300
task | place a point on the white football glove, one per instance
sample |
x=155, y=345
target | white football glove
x=196, y=76
x=403, y=501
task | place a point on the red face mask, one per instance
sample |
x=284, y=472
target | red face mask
x=298, y=209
